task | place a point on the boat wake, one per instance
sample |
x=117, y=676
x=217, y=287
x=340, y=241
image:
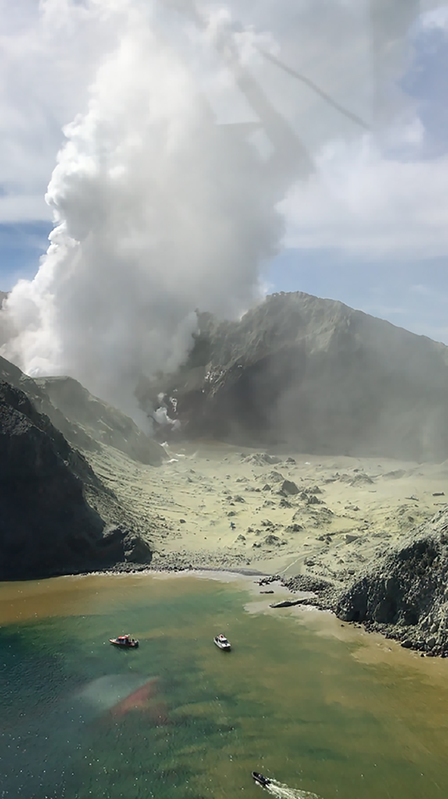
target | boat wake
x=282, y=791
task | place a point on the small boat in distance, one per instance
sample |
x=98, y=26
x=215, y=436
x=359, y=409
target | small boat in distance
x=258, y=778
x=222, y=642
x=124, y=640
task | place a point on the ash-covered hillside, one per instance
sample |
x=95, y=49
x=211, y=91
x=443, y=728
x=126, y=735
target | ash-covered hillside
x=316, y=375
x=85, y=421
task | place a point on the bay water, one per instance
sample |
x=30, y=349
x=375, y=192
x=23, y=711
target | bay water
x=318, y=713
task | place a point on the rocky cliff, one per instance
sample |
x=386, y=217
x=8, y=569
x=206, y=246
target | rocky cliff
x=405, y=593
x=56, y=515
x=83, y=419
x=315, y=375
x=102, y=422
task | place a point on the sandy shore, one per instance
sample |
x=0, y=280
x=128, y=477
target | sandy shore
x=217, y=506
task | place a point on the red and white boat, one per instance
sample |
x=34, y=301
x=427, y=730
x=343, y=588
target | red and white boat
x=222, y=642
x=124, y=640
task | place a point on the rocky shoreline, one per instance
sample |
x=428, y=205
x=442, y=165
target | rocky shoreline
x=402, y=598
x=367, y=537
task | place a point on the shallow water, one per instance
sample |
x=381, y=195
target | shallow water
x=179, y=718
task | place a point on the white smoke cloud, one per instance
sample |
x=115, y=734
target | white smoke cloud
x=157, y=212
x=157, y=209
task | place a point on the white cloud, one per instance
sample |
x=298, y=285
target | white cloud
x=47, y=53
x=361, y=201
x=50, y=50
x=435, y=18
x=157, y=209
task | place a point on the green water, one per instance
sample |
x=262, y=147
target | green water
x=297, y=706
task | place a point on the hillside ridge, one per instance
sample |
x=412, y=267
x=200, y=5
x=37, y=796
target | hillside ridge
x=315, y=375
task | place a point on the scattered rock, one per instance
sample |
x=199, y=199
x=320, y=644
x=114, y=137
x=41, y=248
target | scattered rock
x=289, y=603
x=275, y=477
x=272, y=539
x=313, y=500
x=284, y=503
x=136, y=549
x=261, y=459
x=289, y=487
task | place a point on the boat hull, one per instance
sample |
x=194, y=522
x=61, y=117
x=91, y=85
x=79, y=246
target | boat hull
x=259, y=779
x=123, y=645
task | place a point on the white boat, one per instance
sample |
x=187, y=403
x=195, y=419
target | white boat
x=222, y=642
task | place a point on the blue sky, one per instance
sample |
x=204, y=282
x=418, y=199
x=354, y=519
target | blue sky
x=370, y=228
x=410, y=295
x=21, y=245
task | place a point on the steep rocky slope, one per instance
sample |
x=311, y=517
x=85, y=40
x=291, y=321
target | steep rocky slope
x=315, y=375
x=50, y=500
x=102, y=422
x=83, y=419
x=405, y=593
x=57, y=516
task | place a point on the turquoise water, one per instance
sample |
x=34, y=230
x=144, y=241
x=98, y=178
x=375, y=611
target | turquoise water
x=178, y=718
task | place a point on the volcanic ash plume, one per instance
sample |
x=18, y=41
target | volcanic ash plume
x=158, y=211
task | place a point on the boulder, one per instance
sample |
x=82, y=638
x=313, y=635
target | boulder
x=289, y=487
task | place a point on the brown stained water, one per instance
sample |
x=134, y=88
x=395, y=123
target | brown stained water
x=335, y=715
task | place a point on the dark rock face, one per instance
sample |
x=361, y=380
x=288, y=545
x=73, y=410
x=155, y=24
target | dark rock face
x=47, y=526
x=84, y=420
x=289, y=487
x=316, y=375
x=404, y=594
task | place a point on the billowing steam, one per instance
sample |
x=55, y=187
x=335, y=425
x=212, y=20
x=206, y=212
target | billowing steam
x=158, y=209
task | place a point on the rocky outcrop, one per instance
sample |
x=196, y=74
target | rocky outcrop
x=50, y=499
x=101, y=421
x=316, y=375
x=404, y=594
x=83, y=419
